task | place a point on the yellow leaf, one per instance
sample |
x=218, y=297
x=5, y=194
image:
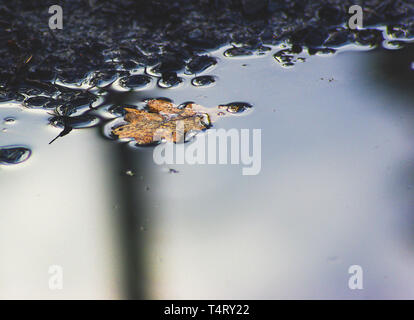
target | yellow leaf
x=163, y=120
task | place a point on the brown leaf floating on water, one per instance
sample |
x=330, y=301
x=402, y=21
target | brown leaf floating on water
x=163, y=120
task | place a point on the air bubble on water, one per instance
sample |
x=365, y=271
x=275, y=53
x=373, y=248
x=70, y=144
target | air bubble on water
x=203, y=81
x=9, y=120
x=169, y=80
x=170, y=170
x=263, y=50
x=117, y=110
x=76, y=122
x=198, y=64
x=321, y=51
x=284, y=58
x=71, y=80
x=236, y=107
x=103, y=79
x=152, y=71
x=38, y=102
x=393, y=44
x=288, y=57
x=137, y=81
x=237, y=52
x=14, y=155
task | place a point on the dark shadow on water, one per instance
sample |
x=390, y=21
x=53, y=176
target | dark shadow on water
x=128, y=168
x=132, y=215
x=393, y=72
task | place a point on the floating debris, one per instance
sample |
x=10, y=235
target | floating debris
x=130, y=173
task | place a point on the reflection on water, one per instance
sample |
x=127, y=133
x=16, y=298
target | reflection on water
x=335, y=190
